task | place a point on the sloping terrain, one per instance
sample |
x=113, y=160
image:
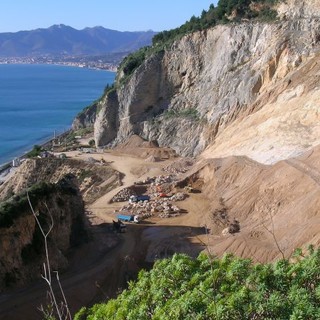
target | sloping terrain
x=277, y=206
x=248, y=96
x=285, y=125
x=92, y=176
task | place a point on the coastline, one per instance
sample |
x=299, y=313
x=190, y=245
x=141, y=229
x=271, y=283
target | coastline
x=33, y=121
x=104, y=67
x=7, y=167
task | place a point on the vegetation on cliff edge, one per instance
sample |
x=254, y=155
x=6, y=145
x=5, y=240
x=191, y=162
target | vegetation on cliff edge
x=226, y=11
x=226, y=288
x=18, y=205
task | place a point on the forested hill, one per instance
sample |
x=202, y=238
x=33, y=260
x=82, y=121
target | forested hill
x=62, y=39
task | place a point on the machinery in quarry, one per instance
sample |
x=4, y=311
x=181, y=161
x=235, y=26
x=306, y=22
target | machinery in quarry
x=128, y=218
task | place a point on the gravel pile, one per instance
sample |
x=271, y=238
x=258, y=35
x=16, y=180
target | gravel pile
x=179, y=166
x=145, y=209
x=178, y=196
x=123, y=195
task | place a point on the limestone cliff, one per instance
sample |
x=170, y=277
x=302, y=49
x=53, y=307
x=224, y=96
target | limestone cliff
x=189, y=94
x=85, y=118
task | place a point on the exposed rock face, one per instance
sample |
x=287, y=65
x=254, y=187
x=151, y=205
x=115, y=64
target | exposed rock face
x=88, y=176
x=299, y=9
x=107, y=123
x=187, y=95
x=21, y=243
x=86, y=118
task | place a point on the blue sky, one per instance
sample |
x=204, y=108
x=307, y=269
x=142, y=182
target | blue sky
x=122, y=15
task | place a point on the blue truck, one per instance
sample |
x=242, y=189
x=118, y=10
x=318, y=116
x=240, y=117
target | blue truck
x=128, y=218
x=139, y=198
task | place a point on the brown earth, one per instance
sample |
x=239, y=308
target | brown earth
x=277, y=207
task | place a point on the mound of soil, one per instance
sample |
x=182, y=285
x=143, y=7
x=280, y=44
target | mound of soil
x=139, y=147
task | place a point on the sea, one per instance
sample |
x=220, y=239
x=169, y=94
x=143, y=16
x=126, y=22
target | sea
x=38, y=101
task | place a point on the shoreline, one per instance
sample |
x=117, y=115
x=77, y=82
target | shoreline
x=8, y=166
x=64, y=64
x=45, y=140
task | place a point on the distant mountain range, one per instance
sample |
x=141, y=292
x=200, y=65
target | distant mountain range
x=65, y=40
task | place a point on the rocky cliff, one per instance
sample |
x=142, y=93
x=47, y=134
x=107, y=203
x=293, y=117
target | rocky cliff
x=188, y=95
x=86, y=118
x=57, y=187
x=22, y=248
x=89, y=175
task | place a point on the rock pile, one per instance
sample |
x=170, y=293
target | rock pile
x=144, y=209
x=179, y=166
x=148, y=180
x=233, y=227
x=123, y=195
x=161, y=184
x=178, y=196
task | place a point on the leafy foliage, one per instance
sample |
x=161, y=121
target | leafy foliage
x=190, y=113
x=226, y=11
x=35, y=151
x=226, y=288
x=133, y=61
x=242, y=9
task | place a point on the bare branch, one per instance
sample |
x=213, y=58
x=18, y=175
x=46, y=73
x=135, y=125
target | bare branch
x=272, y=231
x=62, y=310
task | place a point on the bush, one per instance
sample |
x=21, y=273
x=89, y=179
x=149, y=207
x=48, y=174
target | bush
x=92, y=143
x=35, y=151
x=189, y=113
x=226, y=288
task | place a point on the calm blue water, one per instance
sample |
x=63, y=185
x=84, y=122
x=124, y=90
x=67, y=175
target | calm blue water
x=36, y=100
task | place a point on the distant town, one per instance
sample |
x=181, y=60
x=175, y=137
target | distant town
x=108, y=62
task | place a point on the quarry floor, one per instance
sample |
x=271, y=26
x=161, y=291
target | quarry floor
x=279, y=200
x=102, y=267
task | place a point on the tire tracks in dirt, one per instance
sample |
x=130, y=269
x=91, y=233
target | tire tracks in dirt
x=311, y=172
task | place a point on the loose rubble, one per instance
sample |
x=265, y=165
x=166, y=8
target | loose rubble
x=123, y=195
x=161, y=190
x=179, y=166
x=161, y=207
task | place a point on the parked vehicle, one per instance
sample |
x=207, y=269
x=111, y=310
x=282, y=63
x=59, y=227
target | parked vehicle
x=119, y=226
x=139, y=198
x=128, y=218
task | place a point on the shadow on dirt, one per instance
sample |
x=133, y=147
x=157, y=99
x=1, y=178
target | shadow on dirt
x=102, y=267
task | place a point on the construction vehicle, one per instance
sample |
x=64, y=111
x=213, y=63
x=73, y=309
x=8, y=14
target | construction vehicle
x=139, y=198
x=128, y=218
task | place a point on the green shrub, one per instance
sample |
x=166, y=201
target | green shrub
x=91, y=143
x=226, y=288
x=35, y=151
x=189, y=113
